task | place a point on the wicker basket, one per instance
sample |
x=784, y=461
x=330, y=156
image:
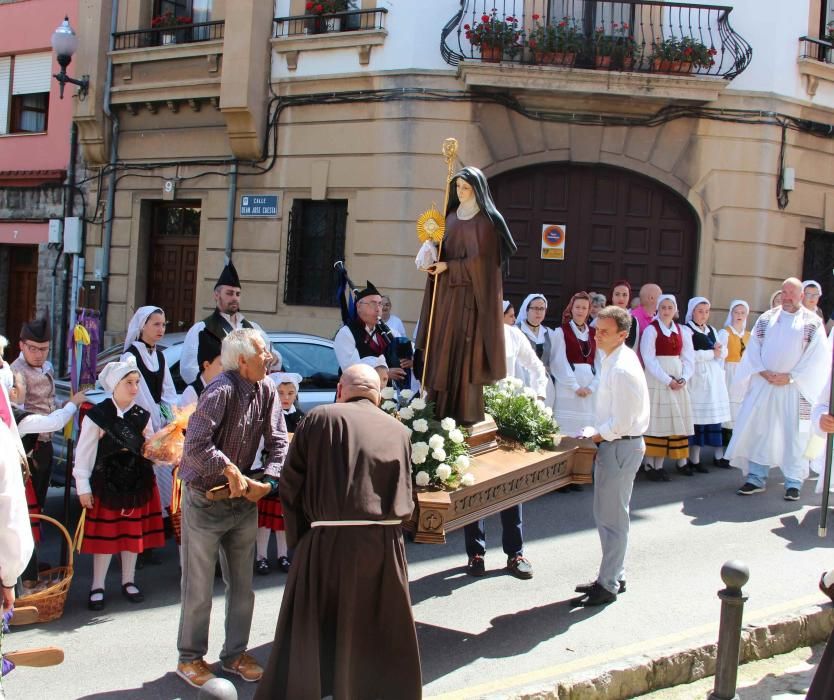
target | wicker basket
x=50, y=601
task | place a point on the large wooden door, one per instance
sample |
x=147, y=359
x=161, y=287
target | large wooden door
x=817, y=264
x=619, y=225
x=22, y=293
x=172, y=263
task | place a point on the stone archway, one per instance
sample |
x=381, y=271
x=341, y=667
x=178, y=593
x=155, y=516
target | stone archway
x=620, y=224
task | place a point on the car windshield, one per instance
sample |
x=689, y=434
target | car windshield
x=315, y=363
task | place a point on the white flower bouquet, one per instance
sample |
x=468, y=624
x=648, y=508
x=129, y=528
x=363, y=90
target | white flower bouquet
x=520, y=416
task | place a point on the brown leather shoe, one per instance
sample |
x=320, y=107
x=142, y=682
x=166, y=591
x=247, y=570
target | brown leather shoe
x=195, y=673
x=244, y=666
x=828, y=590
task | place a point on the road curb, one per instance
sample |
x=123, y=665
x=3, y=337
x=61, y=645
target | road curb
x=645, y=673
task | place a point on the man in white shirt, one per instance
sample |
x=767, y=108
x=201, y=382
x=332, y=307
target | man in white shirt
x=225, y=318
x=621, y=418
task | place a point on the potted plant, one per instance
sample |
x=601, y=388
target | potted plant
x=616, y=48
x=172, y=27
x=555, y=43
x=495, y=37
x=675, y=55
x=320, y=21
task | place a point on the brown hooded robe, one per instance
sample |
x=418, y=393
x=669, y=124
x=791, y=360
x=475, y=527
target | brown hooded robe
x=346, y=626
x=466, y=351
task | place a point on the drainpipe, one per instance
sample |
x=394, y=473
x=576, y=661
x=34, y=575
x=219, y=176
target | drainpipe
x=230, y=210
x=107, y=235
x=70, y=261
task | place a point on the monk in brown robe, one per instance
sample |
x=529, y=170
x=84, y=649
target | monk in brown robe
x=466, y=347
x=346, y=628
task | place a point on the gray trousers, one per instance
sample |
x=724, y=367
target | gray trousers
x=209, y=528
x=615, y=467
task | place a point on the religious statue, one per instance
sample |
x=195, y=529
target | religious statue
x=461, y=329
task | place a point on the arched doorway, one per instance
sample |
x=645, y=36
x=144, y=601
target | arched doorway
x=619, y=224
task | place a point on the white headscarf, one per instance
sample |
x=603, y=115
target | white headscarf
x=287, y=378
x=114, y=372
x=693, y=302
x=661, y=299
x=736, y=302
x=137, y=323
x=374, y=361
x=522, y=314
x=811, y=283
x=506, y=305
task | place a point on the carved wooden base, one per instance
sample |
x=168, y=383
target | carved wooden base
x=505, y=477
x=483, y=436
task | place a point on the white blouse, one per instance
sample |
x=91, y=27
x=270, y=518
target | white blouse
x=649, y=355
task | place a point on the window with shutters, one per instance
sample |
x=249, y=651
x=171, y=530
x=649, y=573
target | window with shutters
x=316, y=240
x=25, y=81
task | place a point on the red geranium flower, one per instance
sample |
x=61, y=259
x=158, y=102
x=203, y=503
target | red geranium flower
x=536, y=17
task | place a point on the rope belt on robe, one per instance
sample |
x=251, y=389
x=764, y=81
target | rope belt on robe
x=347, y=523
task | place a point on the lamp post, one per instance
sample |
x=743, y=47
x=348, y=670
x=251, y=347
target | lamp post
x=65, y=44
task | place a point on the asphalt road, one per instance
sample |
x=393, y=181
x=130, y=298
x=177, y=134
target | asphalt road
x=485, y=637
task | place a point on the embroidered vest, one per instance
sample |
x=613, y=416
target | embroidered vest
x=219, y=327
x=152, y=379
x=122, y=478
x=667, y=347
x=702, y=341
x=735, y=345
x=579, y=352
x=542, y=349
x=293, y=419
x=30, y=439
x=40, y=390
x=363, y=340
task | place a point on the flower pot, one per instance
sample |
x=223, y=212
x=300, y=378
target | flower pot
x=555, y=58
x=664, y=65
x=602, y=62
x=628, y=62
x=491, y=54
x=324, y=25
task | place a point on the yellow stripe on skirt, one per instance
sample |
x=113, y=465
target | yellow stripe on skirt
x=673, y=446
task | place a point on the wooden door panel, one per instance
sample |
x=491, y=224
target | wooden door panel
x=21, y=295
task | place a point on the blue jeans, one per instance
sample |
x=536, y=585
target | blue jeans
x=757, y=475
x=615, y=467
x=511, y=535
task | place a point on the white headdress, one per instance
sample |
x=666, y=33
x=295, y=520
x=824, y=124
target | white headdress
x=506, y=305
x=287, y=378
x=137, y=323
x=661, y=299
x=114, y=372
x=811, y=283
x=733, y=304
x=522, y=314
x=374, y=361
x=693, y=302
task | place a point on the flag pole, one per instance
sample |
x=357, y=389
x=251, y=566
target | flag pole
x=450, y=150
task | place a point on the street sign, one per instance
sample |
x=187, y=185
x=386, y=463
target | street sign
x=255, y=205
x=553, y=241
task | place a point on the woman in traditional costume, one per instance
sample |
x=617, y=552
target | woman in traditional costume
x=530, y=321
x=572, y=358
x=115, y=483
x=707, y=387
x=668, y=357
x=466, y=345
x=621, y=295
x=735, y=337
x=509, y=315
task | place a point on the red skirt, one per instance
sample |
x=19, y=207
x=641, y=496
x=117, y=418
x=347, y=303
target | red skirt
x=270, y=513
x=32, y=505
x=108, y=531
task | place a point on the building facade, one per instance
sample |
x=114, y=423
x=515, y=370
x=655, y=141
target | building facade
x=684, y=144
x=34, y=158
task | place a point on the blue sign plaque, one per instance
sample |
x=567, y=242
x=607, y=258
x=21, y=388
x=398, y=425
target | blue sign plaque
x=254, y=205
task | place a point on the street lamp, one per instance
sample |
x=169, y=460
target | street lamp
x=65, y=44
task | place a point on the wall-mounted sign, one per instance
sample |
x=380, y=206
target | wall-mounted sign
x=254, y=205
x=553, y=241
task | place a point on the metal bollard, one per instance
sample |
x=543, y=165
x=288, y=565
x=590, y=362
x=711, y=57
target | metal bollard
x=734, y=574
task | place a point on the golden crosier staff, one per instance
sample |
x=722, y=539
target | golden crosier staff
x=450, y=150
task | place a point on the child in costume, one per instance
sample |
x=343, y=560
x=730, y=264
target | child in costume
x=270, y=515
x=115, y=484
x=735, y=337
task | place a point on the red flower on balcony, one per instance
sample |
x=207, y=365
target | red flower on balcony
x=168, y=20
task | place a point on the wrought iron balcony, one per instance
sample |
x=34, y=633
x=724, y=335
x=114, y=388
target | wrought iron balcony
x=347, y=21
x=645, y=36
x=164, y=36
x=817, y=49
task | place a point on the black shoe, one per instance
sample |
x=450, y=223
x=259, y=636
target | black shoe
x=96, y=604
x=685, y=470
x=653, y=475
x=722, y=463
x=284, y=564
x=749, y=489
x=586, y=587
x=476, y=566
x=262, y=567
x=596, y=596
x=564, y=489
x=698, y=467
x=519, y=567
x=576, y=487
x=137, y=597
x=791, y=494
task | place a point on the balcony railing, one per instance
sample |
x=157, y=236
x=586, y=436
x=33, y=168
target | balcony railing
x=142, y=38
x=817, y=49
x=348, y=21
x=646, y=36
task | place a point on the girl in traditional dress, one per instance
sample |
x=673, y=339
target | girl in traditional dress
x=668, y=357
x=707, y=388
x=509, y=318
x=776, y=299
x=530, y=321
x=270, y=515
x=620, y=295
x=115, y=484
x=572, y=359
x=157, y=392
x=811, y=293
x=735, y=337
